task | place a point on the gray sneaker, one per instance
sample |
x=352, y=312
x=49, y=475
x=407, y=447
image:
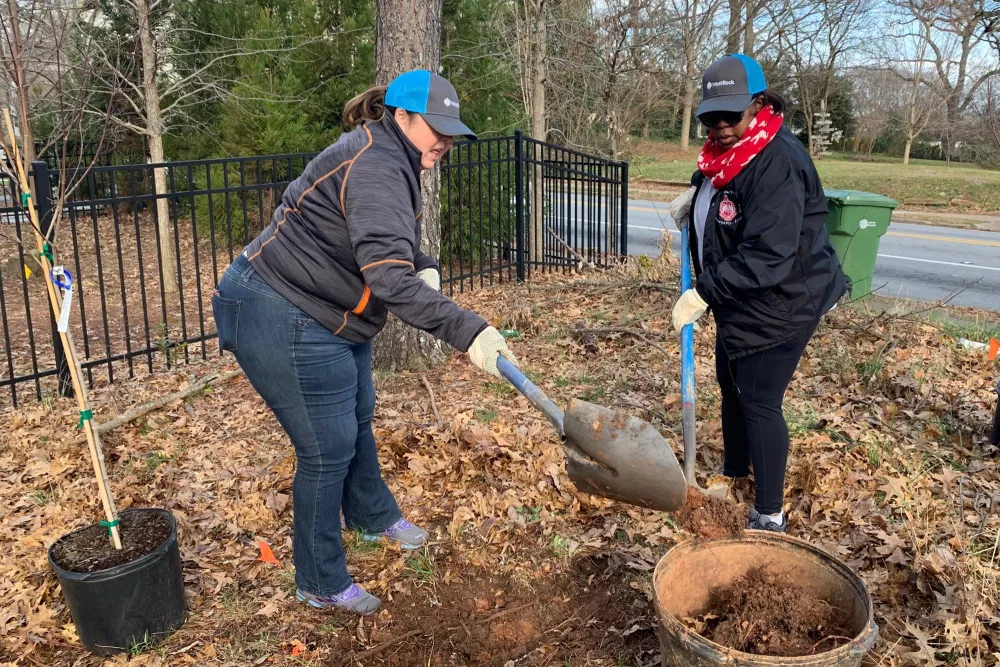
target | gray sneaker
x=403, y=532
x=353, y=599
x=758, y=521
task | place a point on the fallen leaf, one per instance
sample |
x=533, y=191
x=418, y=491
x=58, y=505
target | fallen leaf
x=266, y=555
x=267, y=609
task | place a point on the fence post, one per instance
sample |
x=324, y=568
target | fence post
x=624, y=214
x=43, y=204
x=519, y=204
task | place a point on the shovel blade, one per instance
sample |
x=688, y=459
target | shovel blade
x=613, y=455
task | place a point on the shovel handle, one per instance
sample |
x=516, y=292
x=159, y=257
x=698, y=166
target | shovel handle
x=531, y=392
x=687, y=362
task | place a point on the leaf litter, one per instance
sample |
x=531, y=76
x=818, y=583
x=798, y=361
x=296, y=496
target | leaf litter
x=889, y=471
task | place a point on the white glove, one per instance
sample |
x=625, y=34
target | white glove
x=688, y=309
x=486, y=348
x=432, y=277
x=681, y=206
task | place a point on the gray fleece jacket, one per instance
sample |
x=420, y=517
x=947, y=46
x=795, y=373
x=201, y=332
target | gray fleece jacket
x=344, y=244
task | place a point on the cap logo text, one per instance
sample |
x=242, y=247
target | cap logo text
x=448, y=102
x=716, y=84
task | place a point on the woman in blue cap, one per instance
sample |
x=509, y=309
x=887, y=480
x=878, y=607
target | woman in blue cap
x=765, y=267
x=301, y=304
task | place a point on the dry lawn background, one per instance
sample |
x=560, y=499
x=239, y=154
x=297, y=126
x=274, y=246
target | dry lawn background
x=889, y=471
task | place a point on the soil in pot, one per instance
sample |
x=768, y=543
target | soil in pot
x=764, y=613
x=91, y=550
x=710, y=516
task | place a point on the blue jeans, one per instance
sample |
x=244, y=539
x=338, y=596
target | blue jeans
x=320, y=388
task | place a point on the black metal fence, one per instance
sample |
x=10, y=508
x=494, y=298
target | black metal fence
x=509, y=207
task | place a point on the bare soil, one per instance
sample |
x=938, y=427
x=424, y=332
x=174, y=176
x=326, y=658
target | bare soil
x=710, y=517
x=764, y=613
x=91, y=550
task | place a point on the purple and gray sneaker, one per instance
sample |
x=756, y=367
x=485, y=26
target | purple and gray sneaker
x=403, y=532
x=353, y=599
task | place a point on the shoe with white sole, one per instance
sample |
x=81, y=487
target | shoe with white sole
x=758, y=521
x=353, y=599
x=403, y=533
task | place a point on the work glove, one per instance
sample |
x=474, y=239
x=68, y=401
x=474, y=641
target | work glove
x=486, y=348
x=688, y=309
x=432, y=277
x=681, y=206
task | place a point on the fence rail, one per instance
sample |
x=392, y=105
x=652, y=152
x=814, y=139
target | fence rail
x=510, y=206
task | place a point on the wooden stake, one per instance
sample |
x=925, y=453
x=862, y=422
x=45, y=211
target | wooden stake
x=75, y=371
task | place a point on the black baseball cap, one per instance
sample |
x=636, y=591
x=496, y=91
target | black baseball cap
x=432, y=96
x=730, y=84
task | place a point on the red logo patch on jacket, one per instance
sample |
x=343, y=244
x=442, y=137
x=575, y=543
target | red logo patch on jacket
x=727, y=209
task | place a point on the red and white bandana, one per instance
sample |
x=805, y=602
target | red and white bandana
x=722, y=166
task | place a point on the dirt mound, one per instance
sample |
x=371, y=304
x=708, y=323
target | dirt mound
x=763, y=613
x=711, y=517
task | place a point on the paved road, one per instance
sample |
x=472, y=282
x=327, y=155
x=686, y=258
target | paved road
x=916, y=262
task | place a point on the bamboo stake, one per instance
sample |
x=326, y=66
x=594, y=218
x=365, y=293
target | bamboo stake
x=75, y=370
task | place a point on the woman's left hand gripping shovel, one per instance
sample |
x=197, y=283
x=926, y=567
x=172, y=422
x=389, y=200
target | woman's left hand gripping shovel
x=609, y=453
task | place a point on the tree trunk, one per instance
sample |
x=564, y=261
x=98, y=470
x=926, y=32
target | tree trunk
x=17, y=49
x=536, y=240
x=735, y=26
x=749, y=37
x=688, y=110
x=906, y=151
x=154, y=129
x=408, y=36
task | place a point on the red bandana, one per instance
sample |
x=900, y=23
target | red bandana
x=722, y=165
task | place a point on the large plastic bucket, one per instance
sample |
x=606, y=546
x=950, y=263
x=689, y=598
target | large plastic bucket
x=686, y=575
x=128, y=605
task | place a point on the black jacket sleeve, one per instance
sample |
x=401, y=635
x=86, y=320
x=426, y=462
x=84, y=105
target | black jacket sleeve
x=773, y=209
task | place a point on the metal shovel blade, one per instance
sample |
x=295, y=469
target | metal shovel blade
x=613, y=455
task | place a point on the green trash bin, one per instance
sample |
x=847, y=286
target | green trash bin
x=856, y=223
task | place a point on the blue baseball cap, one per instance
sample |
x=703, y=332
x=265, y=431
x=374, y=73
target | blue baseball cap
x=431, y=96
x=730, y=84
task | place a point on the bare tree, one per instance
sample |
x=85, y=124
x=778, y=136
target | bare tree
x=697, y=20
x=921, y=101
x=954, y=34
x=877, y=96
x=160, y=83
x=987, y=109
x=408, y=36
x=46, y=57
x=815, y=44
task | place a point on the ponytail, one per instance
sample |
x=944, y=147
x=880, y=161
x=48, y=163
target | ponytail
x=769, y=98
x=368, y=106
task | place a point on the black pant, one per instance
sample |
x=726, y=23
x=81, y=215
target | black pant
x=753, y=426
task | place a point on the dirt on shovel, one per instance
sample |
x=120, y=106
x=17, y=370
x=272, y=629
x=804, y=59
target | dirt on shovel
x=711, y=517
x=764, y=613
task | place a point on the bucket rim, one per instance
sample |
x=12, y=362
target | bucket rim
x=860, y=644
x=116, y=570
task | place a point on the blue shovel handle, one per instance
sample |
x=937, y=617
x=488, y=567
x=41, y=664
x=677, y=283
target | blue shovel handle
x=531, y=392
x=687, y=360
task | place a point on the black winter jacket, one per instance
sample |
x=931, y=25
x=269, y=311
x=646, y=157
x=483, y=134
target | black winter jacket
x=769, y=272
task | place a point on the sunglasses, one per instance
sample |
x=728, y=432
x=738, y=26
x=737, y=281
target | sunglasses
x=727, y=118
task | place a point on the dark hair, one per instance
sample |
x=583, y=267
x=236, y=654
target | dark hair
x=772, y=99
x=369, y=106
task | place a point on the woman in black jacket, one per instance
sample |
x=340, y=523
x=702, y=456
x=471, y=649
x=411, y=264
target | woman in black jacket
x=764, y=266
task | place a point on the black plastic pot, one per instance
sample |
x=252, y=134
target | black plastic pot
x=127, y=605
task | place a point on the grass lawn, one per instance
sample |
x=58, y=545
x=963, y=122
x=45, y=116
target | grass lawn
x=913, y=185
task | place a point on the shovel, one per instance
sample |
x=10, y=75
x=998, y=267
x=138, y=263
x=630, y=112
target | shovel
x=608, y=453
x=687, y=360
